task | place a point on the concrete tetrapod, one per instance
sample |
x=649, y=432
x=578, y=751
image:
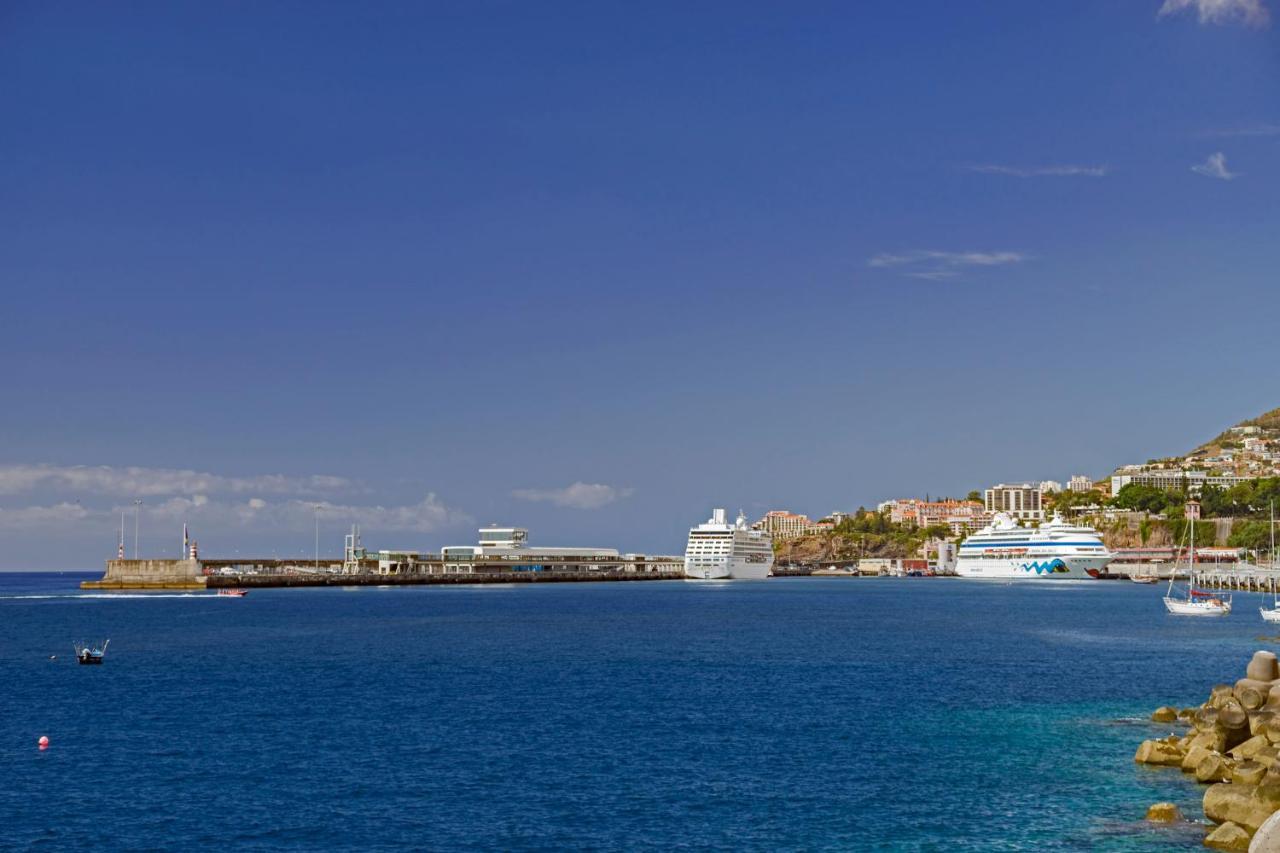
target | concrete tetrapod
x=1267, y=838
x=1263, y=666
x=1213, y=768
x=1164, y=813
x=1237, y=804
x=1233, y=722
x=1158, y=752
x=1228, y=837
x=1252, y=693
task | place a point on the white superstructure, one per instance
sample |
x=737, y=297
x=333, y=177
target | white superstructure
x=718, y=550
x=1056, y=549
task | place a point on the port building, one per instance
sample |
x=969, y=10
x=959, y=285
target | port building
x=508, y=549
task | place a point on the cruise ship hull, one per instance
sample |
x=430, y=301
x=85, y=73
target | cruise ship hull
x=735, y=570
x=1046, y=567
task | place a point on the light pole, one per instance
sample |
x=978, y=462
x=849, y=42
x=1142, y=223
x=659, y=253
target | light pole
x=316, y=507
x=137, y=504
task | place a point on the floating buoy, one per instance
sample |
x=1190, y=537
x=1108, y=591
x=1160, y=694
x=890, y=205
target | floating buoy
x=43, y=742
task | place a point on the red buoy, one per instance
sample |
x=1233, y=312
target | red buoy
x=44, y=741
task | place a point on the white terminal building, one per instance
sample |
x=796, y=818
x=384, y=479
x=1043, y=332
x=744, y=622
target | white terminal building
x=508, y=549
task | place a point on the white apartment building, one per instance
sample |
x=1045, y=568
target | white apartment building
x=1020, y=500
x=1080, y=483
x=783, y=524
x=1050, y=486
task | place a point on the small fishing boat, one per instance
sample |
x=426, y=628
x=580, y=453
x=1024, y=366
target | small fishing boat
x=1144, y=578
x=92, y=655
x=235, y=593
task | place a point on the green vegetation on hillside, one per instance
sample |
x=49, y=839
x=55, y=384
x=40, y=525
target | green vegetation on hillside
x=1246, y=500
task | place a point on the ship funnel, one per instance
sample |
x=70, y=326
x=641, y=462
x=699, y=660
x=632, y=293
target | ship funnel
x=717, y=516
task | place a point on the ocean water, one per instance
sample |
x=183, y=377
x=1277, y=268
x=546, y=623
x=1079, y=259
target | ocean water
x=805, y=713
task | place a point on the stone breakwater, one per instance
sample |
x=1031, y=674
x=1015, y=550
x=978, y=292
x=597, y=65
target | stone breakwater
x=1232, y=744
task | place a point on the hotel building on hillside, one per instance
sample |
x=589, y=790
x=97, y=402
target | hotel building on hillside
x=1080, y=483
x=784, y=524
x=960, y=516
x=1175, y=480
x=1020, y=500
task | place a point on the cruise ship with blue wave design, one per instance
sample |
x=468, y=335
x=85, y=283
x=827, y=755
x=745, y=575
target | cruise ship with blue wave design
x=1005, y=549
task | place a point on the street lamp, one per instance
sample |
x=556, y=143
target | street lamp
x=316, y=507
x=137, y=504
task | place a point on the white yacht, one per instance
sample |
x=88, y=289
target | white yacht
x=1005, y=549
x=718, y=550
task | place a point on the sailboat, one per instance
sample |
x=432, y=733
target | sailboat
x=1272, y=615
x=1198, y=602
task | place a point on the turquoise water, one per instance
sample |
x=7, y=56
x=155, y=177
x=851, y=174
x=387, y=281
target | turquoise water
x=801, y=713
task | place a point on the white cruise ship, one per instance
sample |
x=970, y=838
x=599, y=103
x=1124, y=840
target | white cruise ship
x=718, y=550
x=1005, y=549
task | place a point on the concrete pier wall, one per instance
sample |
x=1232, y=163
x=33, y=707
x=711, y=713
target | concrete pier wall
x=150, y=574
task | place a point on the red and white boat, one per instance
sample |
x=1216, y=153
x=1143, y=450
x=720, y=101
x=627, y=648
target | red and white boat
x=237, y=593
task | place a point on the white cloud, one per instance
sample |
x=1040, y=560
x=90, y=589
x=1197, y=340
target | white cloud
x=425, y=516
x=1215, y=167
x=576, y=496
x=1251, y=12
x=1060, y=171
x=935, y=265
x=55, y=515
x=152, y=482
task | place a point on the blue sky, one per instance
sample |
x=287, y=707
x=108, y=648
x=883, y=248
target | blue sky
x=595, y=268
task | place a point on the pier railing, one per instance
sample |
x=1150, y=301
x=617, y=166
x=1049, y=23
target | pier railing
x=1241, y=576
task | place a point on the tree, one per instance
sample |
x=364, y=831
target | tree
x=975, y=495
x=1141, y=498
x=1254, y=535
x=937, y=531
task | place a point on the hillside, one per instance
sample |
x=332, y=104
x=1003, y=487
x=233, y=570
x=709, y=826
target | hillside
x=1251, y=448
x=1267, y=424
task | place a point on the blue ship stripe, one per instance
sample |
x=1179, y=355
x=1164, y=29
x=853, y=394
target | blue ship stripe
x=1094, y=543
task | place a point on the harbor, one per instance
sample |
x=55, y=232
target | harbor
x=503, y=555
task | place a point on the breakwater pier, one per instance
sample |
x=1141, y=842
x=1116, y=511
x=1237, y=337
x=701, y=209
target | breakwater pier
x=503, y=555
x=382, y=570
x=1231, y=743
